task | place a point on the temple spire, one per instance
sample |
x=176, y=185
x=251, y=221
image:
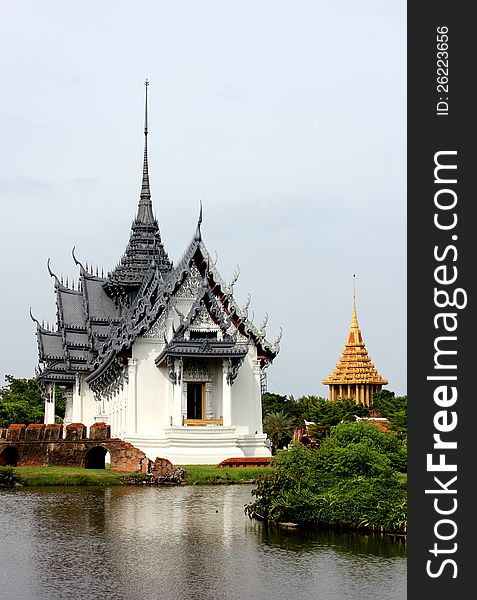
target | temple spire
x=354, y=335
x=144, y=213
x=355, y=376
x=354, y=318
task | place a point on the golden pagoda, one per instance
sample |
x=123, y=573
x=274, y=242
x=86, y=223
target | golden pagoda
x=355, y=376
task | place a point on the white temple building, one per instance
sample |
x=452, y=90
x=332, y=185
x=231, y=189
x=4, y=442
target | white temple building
x=161, y=352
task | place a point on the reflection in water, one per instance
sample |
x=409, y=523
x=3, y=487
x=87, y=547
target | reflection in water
x=180, y=543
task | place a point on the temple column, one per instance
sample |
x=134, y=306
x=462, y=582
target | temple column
x=226, y=394
x=177, y=393
x=184, y=401
x=124, y=403
x=77, y=413
x=50, y=404
x=209, y=413
x=132, y=396
x=68, y=396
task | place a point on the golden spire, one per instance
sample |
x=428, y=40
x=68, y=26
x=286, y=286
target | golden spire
x=354, y=319
x=354, y=335
x=355, y=365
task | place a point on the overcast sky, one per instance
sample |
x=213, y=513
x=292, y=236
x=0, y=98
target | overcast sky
x=287, y=118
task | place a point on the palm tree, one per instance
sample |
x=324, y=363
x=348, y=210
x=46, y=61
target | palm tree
x=279, y=427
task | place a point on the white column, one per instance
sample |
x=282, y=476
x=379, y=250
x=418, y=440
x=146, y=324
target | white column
x=257, y=392
x=124, y=408
x=50, y=404
x=226, y=394
x=132, y=396
x=77, y=413
x=184, y=400
x=209, y=412
x=68, y=396
x=177, y=394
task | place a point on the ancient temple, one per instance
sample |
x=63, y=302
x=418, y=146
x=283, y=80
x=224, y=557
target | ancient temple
x=355, y=377
x=163, y=353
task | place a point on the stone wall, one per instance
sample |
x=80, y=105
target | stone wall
x=45, y=445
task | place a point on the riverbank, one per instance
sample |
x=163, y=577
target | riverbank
x=194, y=475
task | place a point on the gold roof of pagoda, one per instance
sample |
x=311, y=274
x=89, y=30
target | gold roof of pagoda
x=355, y=366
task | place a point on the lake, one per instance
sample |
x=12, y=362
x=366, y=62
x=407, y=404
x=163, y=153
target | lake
x=180, y=543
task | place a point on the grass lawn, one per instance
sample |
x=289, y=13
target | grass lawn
x=212, y=475
x=195, y=474
x=33, y=476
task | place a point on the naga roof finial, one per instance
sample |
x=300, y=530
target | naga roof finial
x=57, y=281
x=33, y=318
x=198, y=233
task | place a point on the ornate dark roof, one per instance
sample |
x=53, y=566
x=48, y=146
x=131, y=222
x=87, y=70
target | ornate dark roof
x=98, y=322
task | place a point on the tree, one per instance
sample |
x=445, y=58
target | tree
x=326, y=413
x=279, y=427
x=21, y=402
x=393, y=408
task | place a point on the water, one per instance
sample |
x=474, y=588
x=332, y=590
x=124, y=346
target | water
x=179, y=543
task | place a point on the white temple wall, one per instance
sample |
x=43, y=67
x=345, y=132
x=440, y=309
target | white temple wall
x=153, y=389
x=84, y=403
x=246, y=395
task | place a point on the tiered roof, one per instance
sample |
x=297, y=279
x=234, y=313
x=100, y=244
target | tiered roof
x=83, y=320
x=355, y=366
x=98, y=322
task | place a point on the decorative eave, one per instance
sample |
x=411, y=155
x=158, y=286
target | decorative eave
x=239, y=316
x=102, y=369
x=201, y=349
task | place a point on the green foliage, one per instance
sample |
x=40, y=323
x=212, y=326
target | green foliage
x=393, y=408
x=279, y=428
x=322, y=412
x=8, y=477
x=21, y=402
x=274, y=403
x=327, y=414
x=364, y=444
x=350, y=481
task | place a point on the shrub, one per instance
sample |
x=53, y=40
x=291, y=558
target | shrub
x=8, y=477
x=350, y=481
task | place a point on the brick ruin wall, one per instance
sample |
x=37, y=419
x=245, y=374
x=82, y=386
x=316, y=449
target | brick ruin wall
x=42, y=445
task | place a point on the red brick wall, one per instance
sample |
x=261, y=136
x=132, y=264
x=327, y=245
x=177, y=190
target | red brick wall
x=40, y=445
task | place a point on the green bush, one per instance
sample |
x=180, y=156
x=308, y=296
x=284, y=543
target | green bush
x=352, y=480
x=8, y=477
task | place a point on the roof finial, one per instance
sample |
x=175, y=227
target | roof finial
x=144, y=212
x=146, y=83
x=354, y=320
x=198, y=233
